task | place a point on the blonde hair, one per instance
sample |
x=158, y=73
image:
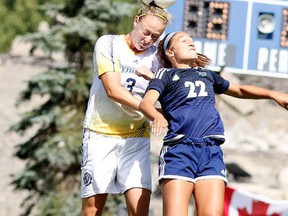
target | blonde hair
x=202, y=60
x=155, y=11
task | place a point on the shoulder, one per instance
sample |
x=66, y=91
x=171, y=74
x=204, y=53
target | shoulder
x=104, y=38
x=220, y=84
x=107, y=39
x=105, y=44
x=164, y=72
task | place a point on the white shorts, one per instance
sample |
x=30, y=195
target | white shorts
x=114, y=165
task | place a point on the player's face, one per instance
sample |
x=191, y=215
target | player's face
x=146, y=31
x=183, y=47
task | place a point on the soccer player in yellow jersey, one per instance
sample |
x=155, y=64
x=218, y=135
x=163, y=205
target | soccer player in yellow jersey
x=116, y=145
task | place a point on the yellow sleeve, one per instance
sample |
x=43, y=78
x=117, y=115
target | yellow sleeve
x=105, y=59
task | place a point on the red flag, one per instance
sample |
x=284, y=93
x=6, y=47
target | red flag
x=242, y=203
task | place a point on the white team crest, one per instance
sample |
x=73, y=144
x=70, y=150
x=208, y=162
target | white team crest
x=175, y=77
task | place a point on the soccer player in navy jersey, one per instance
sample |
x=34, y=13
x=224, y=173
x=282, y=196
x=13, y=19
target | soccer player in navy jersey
x=191, y=159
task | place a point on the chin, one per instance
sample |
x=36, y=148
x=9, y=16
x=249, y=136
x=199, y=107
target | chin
x=194, y=55
x=138, y=48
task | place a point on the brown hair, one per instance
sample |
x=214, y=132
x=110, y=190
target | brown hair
x=201, y=61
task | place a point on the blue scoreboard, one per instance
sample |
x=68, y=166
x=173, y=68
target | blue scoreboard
x=245, y=36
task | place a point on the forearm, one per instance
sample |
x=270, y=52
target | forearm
x=116, y=92
x=159, y=122
x=254, y=92
x=149, y=110
x=123, y=96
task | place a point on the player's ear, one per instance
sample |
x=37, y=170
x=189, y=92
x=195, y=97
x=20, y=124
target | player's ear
x=169, y=53
x=136, y=20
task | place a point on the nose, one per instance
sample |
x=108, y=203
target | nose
x=147, y=39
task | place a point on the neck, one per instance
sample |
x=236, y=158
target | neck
x=182, y=64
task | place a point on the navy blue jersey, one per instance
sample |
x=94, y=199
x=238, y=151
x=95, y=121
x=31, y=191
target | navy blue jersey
x=187, y=97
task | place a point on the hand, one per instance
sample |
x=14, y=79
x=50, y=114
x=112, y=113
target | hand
x=158, y=125
x=282, y=100
x=145, y=72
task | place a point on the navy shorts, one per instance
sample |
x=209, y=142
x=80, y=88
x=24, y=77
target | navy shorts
x=192, y=162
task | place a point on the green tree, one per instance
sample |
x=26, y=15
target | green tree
x=52, y=154
x=17, y=18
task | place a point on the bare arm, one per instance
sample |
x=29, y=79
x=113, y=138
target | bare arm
x=149, y=110
x=254, y=92
x=111, y=83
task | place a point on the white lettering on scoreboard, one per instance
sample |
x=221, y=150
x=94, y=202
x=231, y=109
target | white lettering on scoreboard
x=273, y=60
x=215, y=51
x=222, y=54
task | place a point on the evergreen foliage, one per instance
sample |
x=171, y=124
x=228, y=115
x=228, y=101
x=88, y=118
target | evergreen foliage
x=52, y=154
x=17, y=18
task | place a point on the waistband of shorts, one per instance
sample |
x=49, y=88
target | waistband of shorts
x=87, y=130
x=208, y=141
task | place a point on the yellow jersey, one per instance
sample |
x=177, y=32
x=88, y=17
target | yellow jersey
x=105, y=116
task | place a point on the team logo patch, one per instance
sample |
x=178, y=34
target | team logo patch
x=203, y=74
x=87, y=179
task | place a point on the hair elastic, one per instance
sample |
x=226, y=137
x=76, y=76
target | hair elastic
x=158, y=15
x=168, y=38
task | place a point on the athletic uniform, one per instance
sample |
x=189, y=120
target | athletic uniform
x=191, y=148
x=116, y=145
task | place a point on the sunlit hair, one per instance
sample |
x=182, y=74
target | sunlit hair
x=202, y=60
x=155, y=11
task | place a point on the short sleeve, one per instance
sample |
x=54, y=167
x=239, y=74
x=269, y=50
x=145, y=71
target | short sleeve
x=104, y=59
x=220, y=84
